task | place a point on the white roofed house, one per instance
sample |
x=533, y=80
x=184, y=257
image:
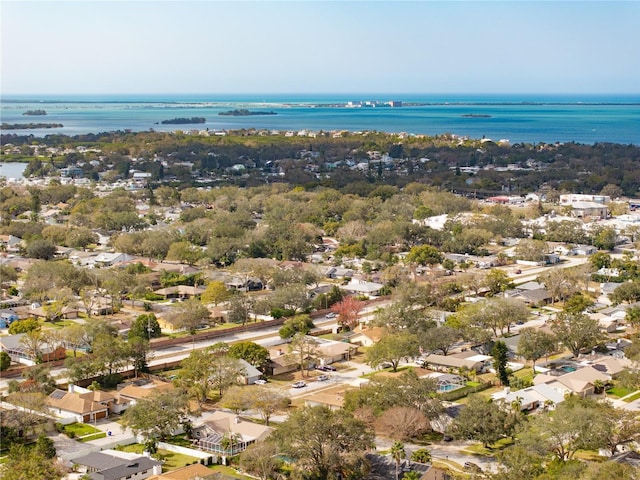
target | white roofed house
x=226, y=434
x=362, y=287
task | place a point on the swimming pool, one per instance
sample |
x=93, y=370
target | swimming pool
x=568, y=368
x=448, y=388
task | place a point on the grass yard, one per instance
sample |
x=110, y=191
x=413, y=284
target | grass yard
x=94, y=436
x=80, y=429
x=478, y=449
x=619, y=392
x=633, y=397
x=171, y=460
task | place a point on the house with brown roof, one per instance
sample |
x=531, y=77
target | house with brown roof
x=580, y=382
x=190, y=472
x=82, y=404
x=366, y=336
x=140, y=389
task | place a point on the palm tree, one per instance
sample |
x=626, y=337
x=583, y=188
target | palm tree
x=411, y=475
x=398, y=453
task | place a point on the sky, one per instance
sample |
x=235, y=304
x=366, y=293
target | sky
x=117, y=47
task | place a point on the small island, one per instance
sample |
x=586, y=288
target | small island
x=476, y=115
x=244, y=113
x=184, y=121
x=29, y=126
x=35, y=113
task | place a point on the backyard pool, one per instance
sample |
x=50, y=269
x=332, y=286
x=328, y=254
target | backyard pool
x=448, y=388
x=568, y=368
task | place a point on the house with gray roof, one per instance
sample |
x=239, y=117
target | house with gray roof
x=102, y=466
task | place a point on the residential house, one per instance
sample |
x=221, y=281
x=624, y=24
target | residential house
x=362, y=287
x=580, y=382
x=82, y=404
x=7, y=316
x=226, y=434
x=530, y=398
x=19, y=353
x=190, y=472
x=139, y=389
x=105, y=466
x=584, y=250
x=250, y=374
x=366, y=336
x=469, y=360
x=331, y=400
x=180, y=291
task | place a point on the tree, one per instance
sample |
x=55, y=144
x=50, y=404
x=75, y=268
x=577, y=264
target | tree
x=348, y=309
x=33, y=341
x=628, y=292
x=195, y=375
x=157, y=416
x=260, y=459
x=305, y=348
x=325, y=443
x=23, y=462
x=5, y=361
x=422, y=455
x=560, y=282
x=225, y=371
x=145, y=326
x=45, y=447
x=110, y=352
x=268, y=401
x=439, y=338
x=41, y=249
x=605, y=238
x=300, y=324
x=571, y=427
x=239, y=309
x=402, y=423
x=74, y=337
x=216, y=292
x=406, y=390
x=392, y=348
x=190, y=315
x=535, y=344
x=425, y=255
x=481, y=420
x=617, y=426
x=500, y=359
x=185, y=252
x=532, y=250
x=577, y=331
x=398, y=454
x=632, y=317
x=138, y=351
x=24, y=326
x=497, y=281
x=255, y=354
x=236, y=399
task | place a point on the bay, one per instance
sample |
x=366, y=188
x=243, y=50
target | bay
x=12, y=169
x=517, y=118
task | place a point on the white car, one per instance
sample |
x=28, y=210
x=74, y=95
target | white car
x=299, y=384
x=331, y=315
x=260, y=381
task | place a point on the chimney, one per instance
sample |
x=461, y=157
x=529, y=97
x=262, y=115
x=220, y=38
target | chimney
x=72, y=388
x=237, y=419
x=157, y=470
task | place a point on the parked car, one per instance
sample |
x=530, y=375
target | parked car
x=260, y=381
x=330, y=368
x=322, y=378
x=299, y=384
x=331, y=315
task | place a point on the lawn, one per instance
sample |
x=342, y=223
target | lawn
x=633, y=397
x=80, y=429
x=94, y=436
x=171, y=460
x=619, y=392
x=478, y=449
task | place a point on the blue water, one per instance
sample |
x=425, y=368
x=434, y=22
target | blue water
x=448, y=388
x=518, y=118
